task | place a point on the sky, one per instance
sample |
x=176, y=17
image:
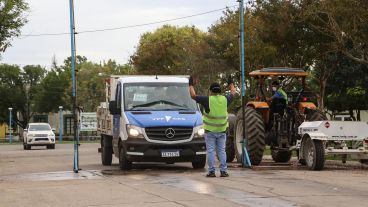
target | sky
x=52, y=16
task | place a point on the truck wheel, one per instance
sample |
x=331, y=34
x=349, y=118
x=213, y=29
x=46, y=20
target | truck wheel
x=281, y=156
x=106, y=150
x=52, y=146
x=314, y=153
x=199, y=162
x=230, y=150
x=255, y=135
x=124, y=163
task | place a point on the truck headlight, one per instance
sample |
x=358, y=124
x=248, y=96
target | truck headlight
x=198, y=131
x=134, y=131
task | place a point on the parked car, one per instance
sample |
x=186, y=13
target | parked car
x=343, y=117
x=38, y=134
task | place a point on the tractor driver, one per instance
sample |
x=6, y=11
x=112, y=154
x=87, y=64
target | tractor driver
x=278, y=102
x=279, y=93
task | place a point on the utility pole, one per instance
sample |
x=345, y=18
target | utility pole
x=74, y=92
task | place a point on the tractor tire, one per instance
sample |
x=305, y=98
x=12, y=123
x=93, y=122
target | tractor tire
x=255, y=135
x=106, y=150
x=230, y=150
x=315, y=115
x=314, y=153
x=280, y=156
x=124, y=163
x=199, y=162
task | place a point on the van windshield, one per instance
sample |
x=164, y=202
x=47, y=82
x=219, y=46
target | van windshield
x=158, y=97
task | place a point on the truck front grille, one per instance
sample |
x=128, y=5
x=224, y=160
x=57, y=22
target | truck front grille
x=169, y=133
x=41, y=139
x=40, y=135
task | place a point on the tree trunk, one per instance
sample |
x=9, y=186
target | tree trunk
x=322, y=89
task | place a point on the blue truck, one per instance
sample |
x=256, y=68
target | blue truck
x=150, y=119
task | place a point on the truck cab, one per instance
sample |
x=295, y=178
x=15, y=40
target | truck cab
x=152, y=119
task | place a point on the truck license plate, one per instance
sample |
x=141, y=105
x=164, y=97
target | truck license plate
x=170, y=154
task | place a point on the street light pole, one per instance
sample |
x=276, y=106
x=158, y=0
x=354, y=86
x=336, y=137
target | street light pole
x=61, y=124
x=10, y=125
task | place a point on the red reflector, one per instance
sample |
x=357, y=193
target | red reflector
x=305, y=99
x=327, y=125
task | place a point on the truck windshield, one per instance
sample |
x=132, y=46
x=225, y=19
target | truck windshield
x=157, y=97
x=39, y=128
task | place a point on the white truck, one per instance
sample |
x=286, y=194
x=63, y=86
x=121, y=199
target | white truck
x=38, y=134
x=320, y=138
x=150, y=119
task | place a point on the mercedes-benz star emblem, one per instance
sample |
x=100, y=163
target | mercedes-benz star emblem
x=170, y=133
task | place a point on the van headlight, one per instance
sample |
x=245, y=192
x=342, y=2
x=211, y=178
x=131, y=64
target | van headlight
x=134, y=131
x=198, y=131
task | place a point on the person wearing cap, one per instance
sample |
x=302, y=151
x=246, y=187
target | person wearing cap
x=215, y=123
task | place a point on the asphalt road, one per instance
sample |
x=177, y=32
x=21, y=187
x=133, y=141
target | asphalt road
x=41, y=177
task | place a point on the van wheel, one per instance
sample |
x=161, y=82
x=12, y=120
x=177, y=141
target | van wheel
x=124, y=163
x=199, y=162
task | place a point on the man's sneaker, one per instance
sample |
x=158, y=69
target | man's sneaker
x=211, y=175
x=224, y=174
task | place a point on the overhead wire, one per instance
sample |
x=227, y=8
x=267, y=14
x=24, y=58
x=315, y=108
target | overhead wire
x=128, y=26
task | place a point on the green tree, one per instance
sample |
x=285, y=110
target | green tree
x=18, y=90
x=169, y=50
x=12, y=18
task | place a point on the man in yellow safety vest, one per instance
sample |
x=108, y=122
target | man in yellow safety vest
x=215, y=123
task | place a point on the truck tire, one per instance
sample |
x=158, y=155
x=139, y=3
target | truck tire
x=106, y=150
x=230, y=150
x=199, y=162
x=255, y=135
x=52, y=146
x=314, y=153
x=280, y=156
x=124, y=163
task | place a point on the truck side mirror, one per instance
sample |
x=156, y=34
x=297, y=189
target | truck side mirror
x=113, y=108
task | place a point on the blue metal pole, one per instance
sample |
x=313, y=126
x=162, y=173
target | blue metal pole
x=241, y=10
x=72, y=38
x=61, y=125
x=10, y=126
x=245, y=157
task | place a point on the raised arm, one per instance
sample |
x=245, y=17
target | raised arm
x=191, y=88
x=230, y=83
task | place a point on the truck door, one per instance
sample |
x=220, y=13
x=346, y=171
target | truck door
x=116, y=119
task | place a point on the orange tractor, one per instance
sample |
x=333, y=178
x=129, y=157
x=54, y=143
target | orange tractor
x=270, y=123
